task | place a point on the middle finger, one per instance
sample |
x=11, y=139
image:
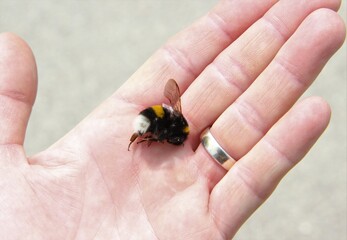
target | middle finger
x=234, y=70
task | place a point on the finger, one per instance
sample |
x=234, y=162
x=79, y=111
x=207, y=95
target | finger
x=252, y=179
x=234, y=70
x=189, y=52
x=281, y=84
x=18, y=83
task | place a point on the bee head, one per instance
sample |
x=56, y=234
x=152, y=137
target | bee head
x=177, y=140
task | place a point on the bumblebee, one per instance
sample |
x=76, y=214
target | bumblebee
x=160, y=123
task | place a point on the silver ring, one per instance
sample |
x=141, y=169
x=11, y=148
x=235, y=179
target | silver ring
x=215, y=150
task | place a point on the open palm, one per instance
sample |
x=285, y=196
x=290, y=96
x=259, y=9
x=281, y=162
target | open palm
x=240, y=68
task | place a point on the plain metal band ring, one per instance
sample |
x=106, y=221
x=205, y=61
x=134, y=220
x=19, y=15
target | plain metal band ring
x=215, y=150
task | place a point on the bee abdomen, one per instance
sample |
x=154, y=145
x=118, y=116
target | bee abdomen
x=141, y=124
x=148, y=117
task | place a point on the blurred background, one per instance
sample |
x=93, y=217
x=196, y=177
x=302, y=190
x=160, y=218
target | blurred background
x=85, y=49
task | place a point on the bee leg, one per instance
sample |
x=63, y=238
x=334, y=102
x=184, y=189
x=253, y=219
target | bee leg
x=132, y=139
x=153, y=140
x=149, y=140
x=143, y=140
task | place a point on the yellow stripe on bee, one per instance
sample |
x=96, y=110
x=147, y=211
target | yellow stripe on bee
x=186, y=129
x=158, y=110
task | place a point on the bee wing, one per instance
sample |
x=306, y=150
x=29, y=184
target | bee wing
x=172, y=92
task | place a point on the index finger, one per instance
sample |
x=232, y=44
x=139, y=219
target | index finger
x=185, y=55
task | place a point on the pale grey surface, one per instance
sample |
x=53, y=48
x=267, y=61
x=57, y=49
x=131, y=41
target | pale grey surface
x=86, y=49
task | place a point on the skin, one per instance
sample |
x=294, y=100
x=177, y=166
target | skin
x=240, y=69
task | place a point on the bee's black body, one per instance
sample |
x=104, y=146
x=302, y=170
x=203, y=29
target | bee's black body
x=166, y=124
x=160, y=123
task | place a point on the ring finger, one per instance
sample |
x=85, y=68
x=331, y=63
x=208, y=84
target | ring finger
x=272, y=94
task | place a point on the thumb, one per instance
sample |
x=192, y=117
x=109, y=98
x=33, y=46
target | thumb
x=18, y=84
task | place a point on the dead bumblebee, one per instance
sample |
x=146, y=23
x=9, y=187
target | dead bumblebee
x=161, y=123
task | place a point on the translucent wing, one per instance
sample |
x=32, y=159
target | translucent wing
x=172, y=92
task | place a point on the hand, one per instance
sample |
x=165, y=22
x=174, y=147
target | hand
x=238, y=74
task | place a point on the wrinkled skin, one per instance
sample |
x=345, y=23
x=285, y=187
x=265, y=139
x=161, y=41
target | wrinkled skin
x=89, y=186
